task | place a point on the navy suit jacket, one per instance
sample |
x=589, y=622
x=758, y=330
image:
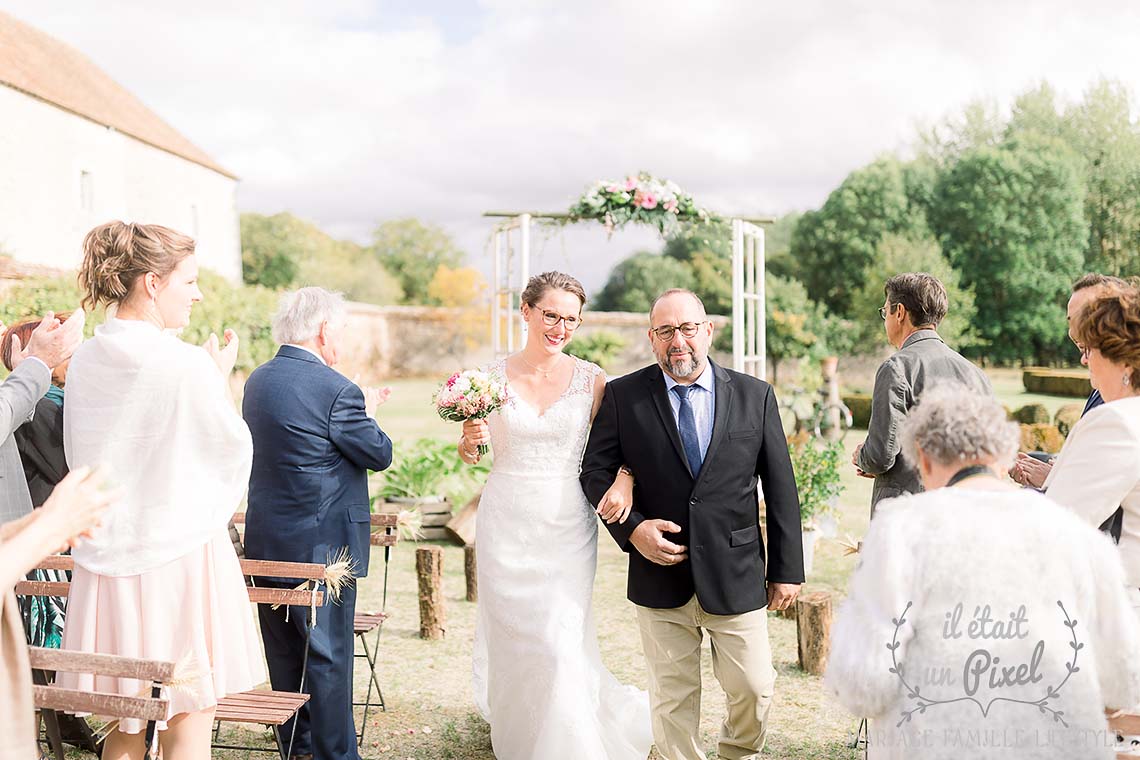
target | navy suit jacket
x=313, y=445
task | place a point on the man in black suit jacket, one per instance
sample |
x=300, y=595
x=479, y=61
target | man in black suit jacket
x=696, y=438
x=314, y=441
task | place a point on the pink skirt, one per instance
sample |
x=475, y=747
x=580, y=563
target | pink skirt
x=194, y=612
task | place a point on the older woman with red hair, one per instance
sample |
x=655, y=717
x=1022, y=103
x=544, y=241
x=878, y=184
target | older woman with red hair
x=1099, y=467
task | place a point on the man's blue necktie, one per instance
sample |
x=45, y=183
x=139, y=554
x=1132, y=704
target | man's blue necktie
x=687, y=427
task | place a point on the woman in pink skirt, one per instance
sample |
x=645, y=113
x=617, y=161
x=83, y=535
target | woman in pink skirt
x=160, y=579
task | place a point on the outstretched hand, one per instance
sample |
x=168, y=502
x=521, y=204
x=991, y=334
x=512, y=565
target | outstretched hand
x=649, y=539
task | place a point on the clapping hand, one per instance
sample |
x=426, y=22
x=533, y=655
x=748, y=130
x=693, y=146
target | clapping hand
x=649, y=539
x=1030, y=471
x=617, y=502
x=224, y=356
x=374, y=397
x=51, y=342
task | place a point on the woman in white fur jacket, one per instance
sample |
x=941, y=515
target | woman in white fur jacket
x=984, y=621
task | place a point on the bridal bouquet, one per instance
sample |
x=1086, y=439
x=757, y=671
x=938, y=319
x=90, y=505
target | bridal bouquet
x=470, y=395
x=641, y=198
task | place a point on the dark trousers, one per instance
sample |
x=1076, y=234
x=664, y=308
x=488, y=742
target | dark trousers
x=325, y=726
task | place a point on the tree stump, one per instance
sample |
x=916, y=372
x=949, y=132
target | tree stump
x=470, y=573
x=429, y=572
x=813, y=631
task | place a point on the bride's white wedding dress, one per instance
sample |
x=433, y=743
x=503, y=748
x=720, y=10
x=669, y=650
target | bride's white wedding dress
x=538, y=675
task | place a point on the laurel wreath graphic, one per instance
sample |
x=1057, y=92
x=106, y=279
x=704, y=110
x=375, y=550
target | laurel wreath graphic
x=923, y=702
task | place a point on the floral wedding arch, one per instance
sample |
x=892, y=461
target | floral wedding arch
x=636, y=199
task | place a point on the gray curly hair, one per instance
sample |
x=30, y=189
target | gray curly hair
x=952, y=423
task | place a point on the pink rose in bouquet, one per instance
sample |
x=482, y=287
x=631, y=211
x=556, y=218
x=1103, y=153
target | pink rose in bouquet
x=470, y=395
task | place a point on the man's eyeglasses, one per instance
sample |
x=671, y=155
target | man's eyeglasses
x=665, y=333
x=883, y=313
x=551, y=318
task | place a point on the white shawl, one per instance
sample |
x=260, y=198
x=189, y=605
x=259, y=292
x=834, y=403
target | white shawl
x=153, y=412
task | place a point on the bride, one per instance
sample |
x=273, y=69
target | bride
x=538, y=675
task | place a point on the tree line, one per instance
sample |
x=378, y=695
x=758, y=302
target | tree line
x=1007, y=208
x=407, y=262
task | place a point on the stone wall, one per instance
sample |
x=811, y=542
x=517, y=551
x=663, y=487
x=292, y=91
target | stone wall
x=421, y=341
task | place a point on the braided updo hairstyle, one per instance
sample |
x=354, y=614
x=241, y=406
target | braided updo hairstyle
x=117, y=254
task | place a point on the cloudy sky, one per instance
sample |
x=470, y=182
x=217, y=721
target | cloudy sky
x=349, y=112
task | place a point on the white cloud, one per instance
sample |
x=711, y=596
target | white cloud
x=352, y=112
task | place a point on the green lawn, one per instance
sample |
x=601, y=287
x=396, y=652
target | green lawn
x=430, y=715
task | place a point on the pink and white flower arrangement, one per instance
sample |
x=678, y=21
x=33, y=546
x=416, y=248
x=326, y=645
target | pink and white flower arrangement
x=470, y=395
x=639, y=198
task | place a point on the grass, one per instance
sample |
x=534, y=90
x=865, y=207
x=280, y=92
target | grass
x=426, y=684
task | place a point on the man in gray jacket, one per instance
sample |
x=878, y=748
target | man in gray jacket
x=916, y=303
x=51, y=344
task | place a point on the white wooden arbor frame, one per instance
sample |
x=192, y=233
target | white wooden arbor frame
x=511, y=243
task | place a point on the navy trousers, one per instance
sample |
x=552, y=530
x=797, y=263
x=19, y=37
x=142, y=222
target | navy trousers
x=325, y=726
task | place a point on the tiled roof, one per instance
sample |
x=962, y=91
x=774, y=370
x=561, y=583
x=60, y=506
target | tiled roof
x=43, y=67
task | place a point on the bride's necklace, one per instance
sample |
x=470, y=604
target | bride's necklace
x=546, y=373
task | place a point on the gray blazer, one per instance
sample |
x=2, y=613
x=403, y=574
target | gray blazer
x=18, y=396
x=922, y=360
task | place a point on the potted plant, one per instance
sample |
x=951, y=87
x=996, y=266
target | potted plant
x=419, y=481
x=816, y=466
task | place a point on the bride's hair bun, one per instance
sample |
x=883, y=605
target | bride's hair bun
x=537, y=286
x=117, y=254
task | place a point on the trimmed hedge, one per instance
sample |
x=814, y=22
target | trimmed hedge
x=1056, y=382
x=1032, y=414
x=860, y=406
x=1041, y=437
x=1067, y=416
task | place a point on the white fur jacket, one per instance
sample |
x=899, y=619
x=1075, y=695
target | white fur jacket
x=1008, y=622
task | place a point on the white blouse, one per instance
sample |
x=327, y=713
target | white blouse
x=1098, y=470
x=153, y=412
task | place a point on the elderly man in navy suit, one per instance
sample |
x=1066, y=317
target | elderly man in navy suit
x=314, y=440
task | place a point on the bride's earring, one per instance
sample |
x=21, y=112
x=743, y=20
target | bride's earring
x=1126, y=380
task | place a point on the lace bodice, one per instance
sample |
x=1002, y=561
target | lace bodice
x=549, y=444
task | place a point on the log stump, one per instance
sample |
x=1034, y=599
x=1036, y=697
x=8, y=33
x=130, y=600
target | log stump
x=429, y=572
x=470, y=573
x=813, y=631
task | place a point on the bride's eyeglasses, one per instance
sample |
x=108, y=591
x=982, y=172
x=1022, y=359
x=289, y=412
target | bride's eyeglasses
x=665, y=333
x=551, y=318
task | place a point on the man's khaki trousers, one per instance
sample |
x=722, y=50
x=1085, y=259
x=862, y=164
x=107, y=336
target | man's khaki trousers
x=742, y=663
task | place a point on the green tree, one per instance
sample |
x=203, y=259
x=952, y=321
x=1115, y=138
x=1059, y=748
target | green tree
x=271, y=249
x=793, y=322
x=411, y=251
x=834, y=245
x=1102, y=132
x=283, y=251
x=1010, y=220
x=707, y=250
x=979, y=125
x=778, y=246
x=636, y=281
